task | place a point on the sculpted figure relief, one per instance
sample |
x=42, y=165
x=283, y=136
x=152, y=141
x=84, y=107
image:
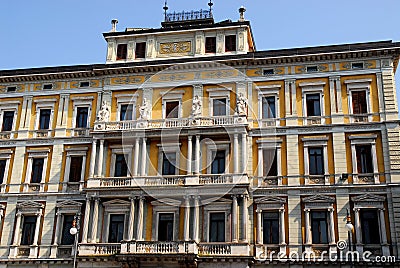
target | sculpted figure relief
x=104, y=113
x=241, y=105
x=144, y=110
x=196, y=107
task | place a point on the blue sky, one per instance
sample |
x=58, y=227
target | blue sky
x=36, y=33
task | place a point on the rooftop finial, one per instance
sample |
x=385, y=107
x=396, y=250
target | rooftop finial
x=165, y=10
x=242, y=9
x=210, y=4
x=114, y=25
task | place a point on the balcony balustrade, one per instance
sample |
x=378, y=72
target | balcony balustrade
x=99, y=249
x=170, y=123
x=224, y=249
x=178, y=180
x=156, y=247
x=366, y=178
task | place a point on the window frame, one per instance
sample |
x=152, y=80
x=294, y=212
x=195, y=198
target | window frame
x=115, y=206
x=81, y=102
x=359, y=85
x=125, y=150
x=44, y=104
x=145, y=49
x=8, y=106
x=317, y=141
x=269, y=144
x=266, y=92
x=234, y=42
x=75, y=152
x=160, y=207
x=364, y=140
x=308, y=88
x=214, y=146
x=124, y=52
x=169, y=96
x=6, y=155
x=215, y=44
x=126, y=99
x=31, y=154
x=219, y=93
x=221, y=206
x=168, y=148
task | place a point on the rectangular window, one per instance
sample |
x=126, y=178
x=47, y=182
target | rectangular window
x=165, y=226
x=316, y=161
x=37, y=170
x=8, y=119
x=312, y=69
x=84, y=84
x=66, y=237
x=121, y=168
x=218, y=163
x=82, y=117
x=75, y=169
x=126, y=112
x=364, y=159
x=268, y=107
x=319, y=227
x=3, y=164
x=47, y=86
x=230, y=43
x=116, y=228
x=211, y=44
x=140, y=50
x=28, y=230
x=172, y=109
x=44, y=118
x=122, y=50
x=359, y=102
x=357, y=65
x=217, y=227
x=267, y=72
x=169, y=164
x=270, y=165
x=270, y=227
x=219, y=107
x=313, y=105
x=370, y=226
x=11, y=89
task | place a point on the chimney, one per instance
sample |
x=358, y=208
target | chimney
x=114, y=23
x=242, y=9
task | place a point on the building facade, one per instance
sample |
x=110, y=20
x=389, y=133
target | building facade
x=190, y=148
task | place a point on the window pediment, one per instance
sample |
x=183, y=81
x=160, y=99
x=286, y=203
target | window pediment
x=317, y=199
x=166, y=202
x=30, y=207
x=369, y=198
x=270, y=200
x=69, y=204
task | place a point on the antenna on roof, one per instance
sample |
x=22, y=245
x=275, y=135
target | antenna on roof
x=165, y=10
x=210, y=4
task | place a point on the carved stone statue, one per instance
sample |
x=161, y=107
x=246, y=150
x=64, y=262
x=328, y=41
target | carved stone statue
x=241, y=105
x=144, y=110
x=196, y=107
x=104, y=113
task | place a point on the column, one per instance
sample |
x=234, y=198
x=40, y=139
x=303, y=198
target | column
x=136, y=157
x=339, y=95
x=260, y=163
x=234, y=218
x=374, y=162
x=332, y=91
x=85, y=228
x=259, y=231
x=189, y=156
x=131, y=219
x=357, y=226
x=244, y=219
x=235, y=154
x=144, y=157
x=100, y=161
x=282, y=227
x=58, y=226
x=332, y=239
x=288, y=99
x=139, y=235
x=244, y=153
x=197, y=155
x=95, y=219
x=196, y=219
x=307, y=226
x=17, y=229
x=382, y=226
x=93, y=159
x=37, y=229
x=187, y=219
x=68, y=169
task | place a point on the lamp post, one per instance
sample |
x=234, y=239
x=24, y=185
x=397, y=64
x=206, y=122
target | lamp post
x=349, y=227
x=75, y=232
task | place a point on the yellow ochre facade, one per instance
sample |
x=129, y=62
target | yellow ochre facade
x=190, y=148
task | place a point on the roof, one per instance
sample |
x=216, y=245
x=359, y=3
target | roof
x=305, y=54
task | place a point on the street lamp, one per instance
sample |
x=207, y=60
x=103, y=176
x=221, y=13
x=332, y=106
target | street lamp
x=75, y=232
x=349, y=227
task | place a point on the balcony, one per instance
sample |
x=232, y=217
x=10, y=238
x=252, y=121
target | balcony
x=170, y=123
x=272, y=122
x=366, y=178
x=99, y=249
x=178, y=180
x=223, y=249
x=42, y=133
x=269, y=181
x=6, y=135
x=314, y=120
x=80, y=132
x=158, y=247
x=317, y=180
x=359, y=118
